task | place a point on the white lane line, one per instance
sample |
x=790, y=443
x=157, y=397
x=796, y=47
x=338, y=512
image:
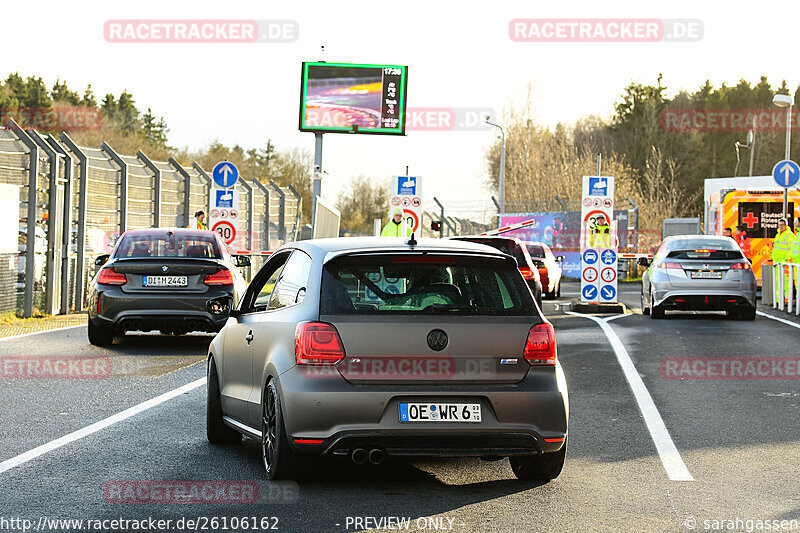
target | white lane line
x=40, y=332
x=670, y=458
x=779, y=319
x=609, y=319
x=97, y=426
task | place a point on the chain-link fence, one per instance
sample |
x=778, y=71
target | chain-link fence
x=75, y=201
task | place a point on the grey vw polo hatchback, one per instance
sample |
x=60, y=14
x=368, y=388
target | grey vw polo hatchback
x=368, y=348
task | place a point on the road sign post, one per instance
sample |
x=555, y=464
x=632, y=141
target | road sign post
x=598, y=242
x=223, y=214
x=408, y=198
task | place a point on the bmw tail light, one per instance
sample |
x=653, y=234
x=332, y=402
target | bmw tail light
x=540, y=347
x=317, y=343
x=527, y=272
x=107, y=276
x=668, y=264
x=222, y=277
x=740, y=266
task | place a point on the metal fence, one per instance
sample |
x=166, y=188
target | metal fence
x=75, y=202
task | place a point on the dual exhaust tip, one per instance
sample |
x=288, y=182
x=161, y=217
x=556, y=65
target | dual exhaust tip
x=360, y=456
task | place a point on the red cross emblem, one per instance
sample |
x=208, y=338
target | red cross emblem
x=750, y=220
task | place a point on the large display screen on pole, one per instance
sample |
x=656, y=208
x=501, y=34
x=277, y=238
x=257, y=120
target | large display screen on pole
x=351, y=98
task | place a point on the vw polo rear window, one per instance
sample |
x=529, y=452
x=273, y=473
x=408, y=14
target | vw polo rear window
x=424, y=284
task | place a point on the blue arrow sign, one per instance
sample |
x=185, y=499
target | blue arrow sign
x=786, y=173
x=590, y=257
x=608, y=292
x=225, y=174
x=608, y=257
x=589, y=292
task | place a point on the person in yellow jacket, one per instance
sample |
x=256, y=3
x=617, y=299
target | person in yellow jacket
x=199, y=221
x=394, y=228
x=601, y=234
x=782, y=250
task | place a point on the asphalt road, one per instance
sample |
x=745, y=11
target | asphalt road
x=738, y=439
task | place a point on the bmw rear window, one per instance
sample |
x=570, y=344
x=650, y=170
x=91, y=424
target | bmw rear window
x=423, y=284
x=165, y=245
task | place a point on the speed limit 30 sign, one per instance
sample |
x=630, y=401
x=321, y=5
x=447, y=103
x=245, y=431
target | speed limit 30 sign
x=226, y=231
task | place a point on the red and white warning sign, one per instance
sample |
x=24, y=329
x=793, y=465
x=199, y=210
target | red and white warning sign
x=590, y=274
x=608, y=202
x=226, y=231
x=223, y=213
x=416, y=202
x=608, y=274
x=406, y=201
x=233, y=213
x=396, y=201
x=412, y=219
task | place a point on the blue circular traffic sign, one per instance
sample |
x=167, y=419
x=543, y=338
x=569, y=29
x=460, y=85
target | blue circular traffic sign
x=608, y=257
x=589, y=292
x=225, y=174
x=590, y=256
x=786, y=173
x=608, y=292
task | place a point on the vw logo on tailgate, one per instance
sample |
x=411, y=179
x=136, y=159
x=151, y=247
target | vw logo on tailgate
x=437, y=340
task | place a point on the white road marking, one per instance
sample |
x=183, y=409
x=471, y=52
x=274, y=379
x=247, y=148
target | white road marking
x=609, y=319
x=40, y=332
x=670, y=458
x=97, y=426
x=779, y=319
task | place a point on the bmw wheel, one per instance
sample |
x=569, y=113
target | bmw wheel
x=100, y=335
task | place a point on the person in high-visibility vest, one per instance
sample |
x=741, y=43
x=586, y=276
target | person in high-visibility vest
x=601, y=234
x=394, y=228
x=782, y=250
x=199, y=221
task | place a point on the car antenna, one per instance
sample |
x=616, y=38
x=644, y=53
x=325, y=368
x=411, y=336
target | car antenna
x=412, y=241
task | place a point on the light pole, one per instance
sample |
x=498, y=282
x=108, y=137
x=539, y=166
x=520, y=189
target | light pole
x=787, y=101
x=502, y=191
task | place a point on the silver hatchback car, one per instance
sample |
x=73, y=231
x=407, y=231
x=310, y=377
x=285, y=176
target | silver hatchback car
x=699, y=272
x=367, y=348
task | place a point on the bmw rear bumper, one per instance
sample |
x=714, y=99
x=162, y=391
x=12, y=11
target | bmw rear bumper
x=111, y=307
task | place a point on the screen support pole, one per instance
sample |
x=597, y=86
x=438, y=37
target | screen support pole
x=317, y=173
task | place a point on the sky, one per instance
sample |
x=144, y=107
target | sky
x=459, y=55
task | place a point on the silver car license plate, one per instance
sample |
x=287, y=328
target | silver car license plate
x=702, y=274
x=440, y=412
x=165, y=281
